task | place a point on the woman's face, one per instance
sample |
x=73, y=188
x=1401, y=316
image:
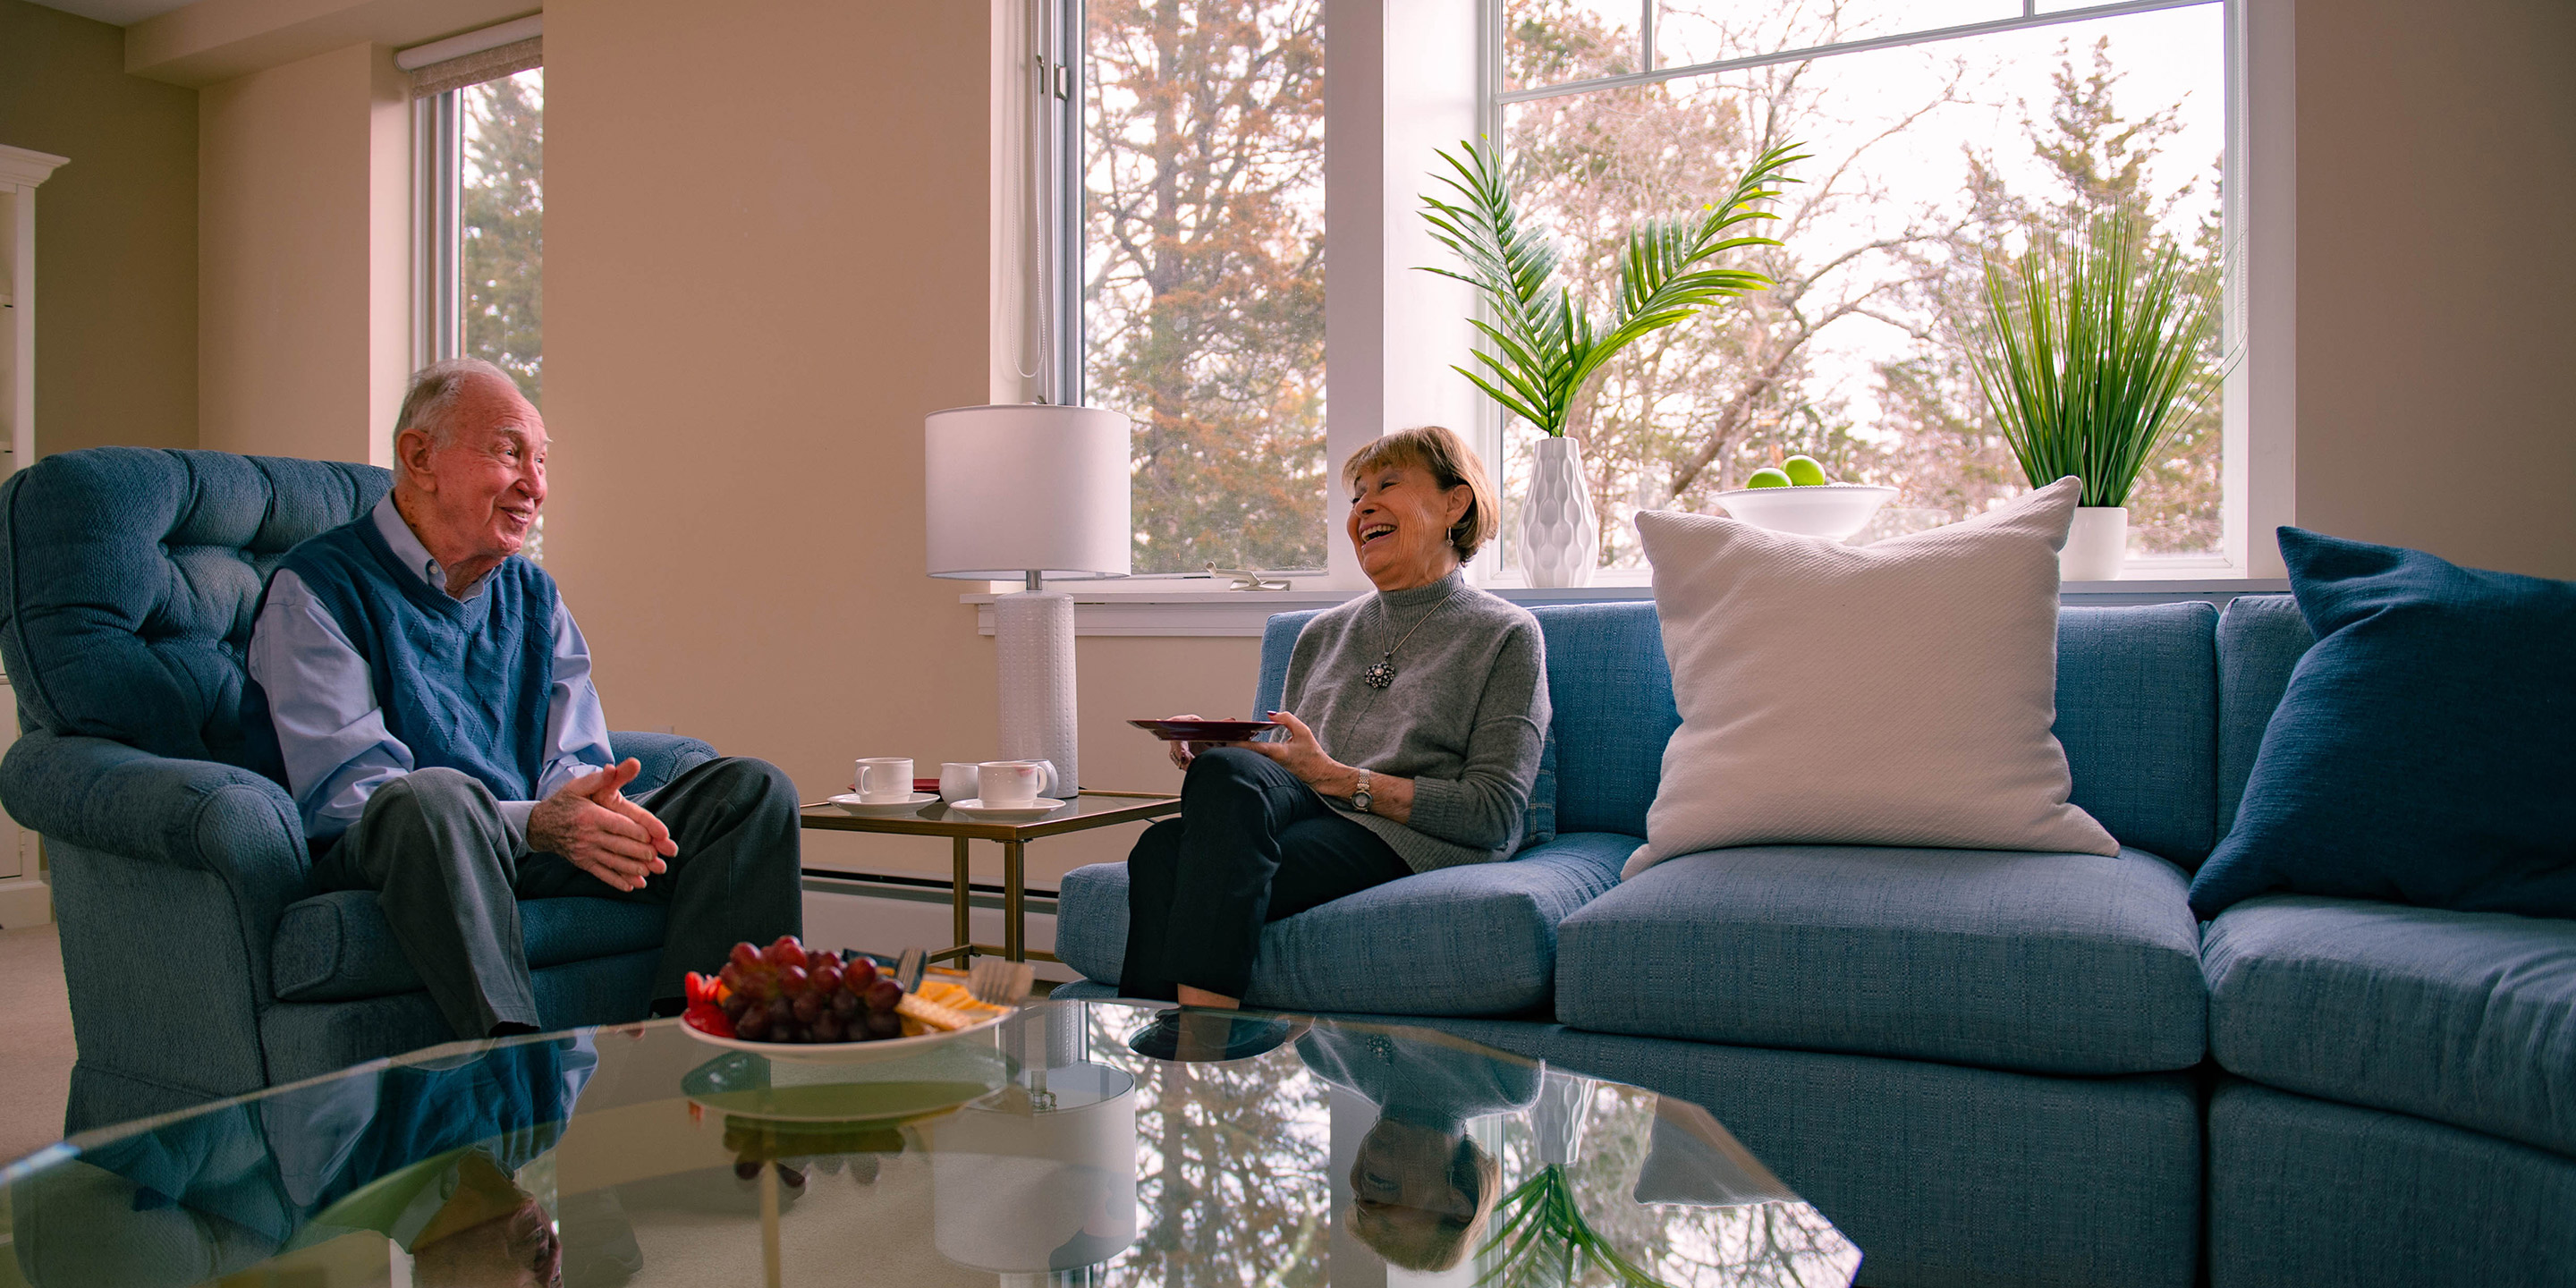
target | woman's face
x=1399, y=523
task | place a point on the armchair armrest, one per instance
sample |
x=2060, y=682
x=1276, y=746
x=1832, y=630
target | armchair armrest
x=195, y=817
x=665, y=756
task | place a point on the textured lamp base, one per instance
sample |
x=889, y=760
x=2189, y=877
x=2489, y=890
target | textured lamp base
x=1033, y=637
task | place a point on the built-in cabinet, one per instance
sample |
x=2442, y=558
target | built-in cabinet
x=24, y=898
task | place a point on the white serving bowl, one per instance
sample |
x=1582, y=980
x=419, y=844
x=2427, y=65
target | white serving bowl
x=1829, y=510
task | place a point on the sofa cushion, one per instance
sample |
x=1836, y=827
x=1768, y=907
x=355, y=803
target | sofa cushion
x=337, y=947
x=2467, y=1018
x=1898, y=694
x=128, y=579
x=1477, y=939
x=2137, y=711
x=2051, y=963
x=2425, y=748
x=2260, y=641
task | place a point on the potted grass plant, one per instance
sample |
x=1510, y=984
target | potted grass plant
x=1545, y=342
x=2088, y=351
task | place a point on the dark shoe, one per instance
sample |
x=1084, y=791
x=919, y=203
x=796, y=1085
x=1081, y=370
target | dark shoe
x=1192, y=1036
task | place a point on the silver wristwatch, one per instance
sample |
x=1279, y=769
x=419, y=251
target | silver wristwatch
x=1360, y=798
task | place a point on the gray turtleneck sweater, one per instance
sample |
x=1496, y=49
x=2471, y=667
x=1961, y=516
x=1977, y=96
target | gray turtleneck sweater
x=1464, y=718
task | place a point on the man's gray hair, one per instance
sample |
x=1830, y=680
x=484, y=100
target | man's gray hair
x=433, y=392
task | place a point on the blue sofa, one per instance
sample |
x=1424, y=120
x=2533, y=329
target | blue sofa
x=200, y=962
x=1998, y=1068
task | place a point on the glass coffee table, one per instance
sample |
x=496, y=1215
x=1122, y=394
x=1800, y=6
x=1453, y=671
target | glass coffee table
x=1039, y=1152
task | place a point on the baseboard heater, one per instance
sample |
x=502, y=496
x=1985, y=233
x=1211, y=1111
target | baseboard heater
x=869, y=885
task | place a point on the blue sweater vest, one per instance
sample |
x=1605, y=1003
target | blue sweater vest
x=463, y=684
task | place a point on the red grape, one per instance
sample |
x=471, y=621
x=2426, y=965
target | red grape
x=745, y=956
x=827, y=1028
x=752, y=1024
x=825, y=974
x=808, y=1008
x=792, y=980
x=858, y=974
x=884, y=1024
x=884, y=995
x=785, y=951
x=845, y=1003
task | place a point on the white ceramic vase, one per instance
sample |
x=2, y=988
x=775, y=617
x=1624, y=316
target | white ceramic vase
x=1556, y=537
x=2097, y=544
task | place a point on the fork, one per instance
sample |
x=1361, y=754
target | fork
x=996, y=982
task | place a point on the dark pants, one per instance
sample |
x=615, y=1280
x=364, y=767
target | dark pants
x=1252, y=845
x=446, y=871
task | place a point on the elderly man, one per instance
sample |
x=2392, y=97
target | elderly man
x=426, y=697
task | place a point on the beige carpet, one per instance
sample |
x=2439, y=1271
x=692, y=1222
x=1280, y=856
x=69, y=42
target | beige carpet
x=35, y=1040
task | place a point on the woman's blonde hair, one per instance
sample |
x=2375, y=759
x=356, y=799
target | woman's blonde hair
x=1451, y=463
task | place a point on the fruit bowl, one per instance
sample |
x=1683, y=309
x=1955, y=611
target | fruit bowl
x=1832, y=511
x=812, y=1006
x=846, y=1052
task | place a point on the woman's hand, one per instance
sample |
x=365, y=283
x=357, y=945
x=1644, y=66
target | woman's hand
x=1301, y=754
x=1183, y=753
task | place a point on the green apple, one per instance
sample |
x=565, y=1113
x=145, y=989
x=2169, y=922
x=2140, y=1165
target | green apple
x=1803, y=471
x=1767, y=477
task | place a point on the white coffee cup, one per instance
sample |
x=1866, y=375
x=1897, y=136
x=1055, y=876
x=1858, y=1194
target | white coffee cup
x=1007, y=784
x=884, y=780
x=958, y=781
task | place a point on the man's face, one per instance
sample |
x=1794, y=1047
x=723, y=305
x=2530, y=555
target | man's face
x=484, y=486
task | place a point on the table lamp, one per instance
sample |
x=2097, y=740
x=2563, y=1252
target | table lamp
x=1030, y=492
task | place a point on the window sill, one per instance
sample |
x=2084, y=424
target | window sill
x=1164, y=609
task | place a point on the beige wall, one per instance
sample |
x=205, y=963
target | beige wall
x=2436, y=169
x=304, y=199
x=116, y=233
x=766, y=260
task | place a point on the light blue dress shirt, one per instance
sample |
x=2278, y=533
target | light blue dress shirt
x=323, y=701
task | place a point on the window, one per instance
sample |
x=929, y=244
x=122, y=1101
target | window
x=1940, y=131
x=1201, y=203
x=488, y=257
x=479, y=110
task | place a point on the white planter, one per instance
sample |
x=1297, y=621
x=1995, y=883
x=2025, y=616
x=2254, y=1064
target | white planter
x=1555, y=535
x=2097, y=544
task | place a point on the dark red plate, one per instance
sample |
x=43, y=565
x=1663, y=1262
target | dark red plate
x=1207, y=730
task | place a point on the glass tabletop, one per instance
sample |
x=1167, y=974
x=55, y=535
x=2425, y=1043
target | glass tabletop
x=1043, y=1151
x=1087, y=809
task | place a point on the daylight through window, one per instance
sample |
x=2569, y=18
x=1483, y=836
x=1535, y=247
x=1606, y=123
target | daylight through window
x=1927, y=156
x=1202, y=291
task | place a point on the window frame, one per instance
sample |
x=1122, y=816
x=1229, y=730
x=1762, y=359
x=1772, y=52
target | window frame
x=2257, y=393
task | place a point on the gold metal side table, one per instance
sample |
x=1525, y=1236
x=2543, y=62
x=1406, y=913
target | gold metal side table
x=1087, y=810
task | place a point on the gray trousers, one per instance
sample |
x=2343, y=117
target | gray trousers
x=449, y=875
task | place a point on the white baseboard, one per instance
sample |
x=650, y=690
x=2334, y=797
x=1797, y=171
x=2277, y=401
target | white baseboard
x=28, y=901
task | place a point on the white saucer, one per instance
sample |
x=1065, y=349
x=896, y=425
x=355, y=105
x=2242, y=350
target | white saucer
x=976, y=809
x=850, y=802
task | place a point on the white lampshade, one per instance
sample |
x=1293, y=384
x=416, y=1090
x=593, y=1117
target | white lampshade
x=1032, y=488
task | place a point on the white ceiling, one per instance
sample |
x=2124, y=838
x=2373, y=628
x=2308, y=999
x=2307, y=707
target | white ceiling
x=121, y=12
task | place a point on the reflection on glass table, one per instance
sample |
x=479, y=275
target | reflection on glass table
x=1046, y=1153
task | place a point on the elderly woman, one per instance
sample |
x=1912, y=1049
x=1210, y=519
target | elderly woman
x=1414, y=718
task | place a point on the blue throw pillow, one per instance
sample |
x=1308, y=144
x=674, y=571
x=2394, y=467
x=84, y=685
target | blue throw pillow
x=2425, y=751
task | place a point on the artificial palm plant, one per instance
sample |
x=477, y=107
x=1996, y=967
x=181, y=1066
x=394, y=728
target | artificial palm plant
x=2088, y=351
x=1546, y=344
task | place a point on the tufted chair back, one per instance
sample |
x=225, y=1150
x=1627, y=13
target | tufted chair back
x=128, y=578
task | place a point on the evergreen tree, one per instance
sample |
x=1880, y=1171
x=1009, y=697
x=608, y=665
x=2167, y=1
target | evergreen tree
x=504, y=227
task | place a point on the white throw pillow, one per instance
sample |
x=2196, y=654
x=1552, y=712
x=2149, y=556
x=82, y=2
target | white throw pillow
x=1901, y=693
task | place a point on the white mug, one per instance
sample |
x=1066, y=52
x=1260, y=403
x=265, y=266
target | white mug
x=1007, y=784
x=884, y=780
x=957, y=781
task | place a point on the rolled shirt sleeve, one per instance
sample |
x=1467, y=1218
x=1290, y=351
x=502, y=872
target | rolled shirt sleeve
x=331, y=731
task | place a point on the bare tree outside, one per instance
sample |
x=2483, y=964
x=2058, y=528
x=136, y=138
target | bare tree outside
x=1852, y=356
x=1203, y=290
x=504, y=198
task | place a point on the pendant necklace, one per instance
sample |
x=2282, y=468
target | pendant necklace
x=1383, y=674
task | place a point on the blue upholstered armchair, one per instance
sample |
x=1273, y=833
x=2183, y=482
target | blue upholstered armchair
x=201, y=962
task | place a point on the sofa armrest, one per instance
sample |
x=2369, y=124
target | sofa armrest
x=665, y=756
